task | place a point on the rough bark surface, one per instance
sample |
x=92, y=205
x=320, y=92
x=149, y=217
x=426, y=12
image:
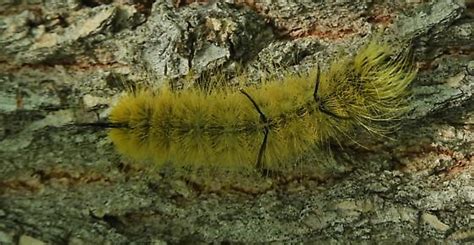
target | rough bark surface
x=65, y=62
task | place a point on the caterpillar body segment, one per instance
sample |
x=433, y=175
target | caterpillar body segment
x=267, y=126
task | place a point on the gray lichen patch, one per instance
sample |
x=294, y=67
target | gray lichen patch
x=452, y=86
x=17, y=94
x=201, y=37
x=433, y=18
x=30, y=39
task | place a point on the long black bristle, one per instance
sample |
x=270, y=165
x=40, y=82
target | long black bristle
x=103, y=125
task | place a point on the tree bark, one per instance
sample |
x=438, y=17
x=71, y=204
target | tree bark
x=65, y=63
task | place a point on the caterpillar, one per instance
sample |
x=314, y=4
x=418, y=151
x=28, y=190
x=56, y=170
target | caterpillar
x=266, y=126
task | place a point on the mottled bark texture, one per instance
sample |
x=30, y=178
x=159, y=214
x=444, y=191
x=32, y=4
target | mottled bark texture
x=64, y=62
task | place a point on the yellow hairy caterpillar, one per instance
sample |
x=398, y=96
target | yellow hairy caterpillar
x=264, y=127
